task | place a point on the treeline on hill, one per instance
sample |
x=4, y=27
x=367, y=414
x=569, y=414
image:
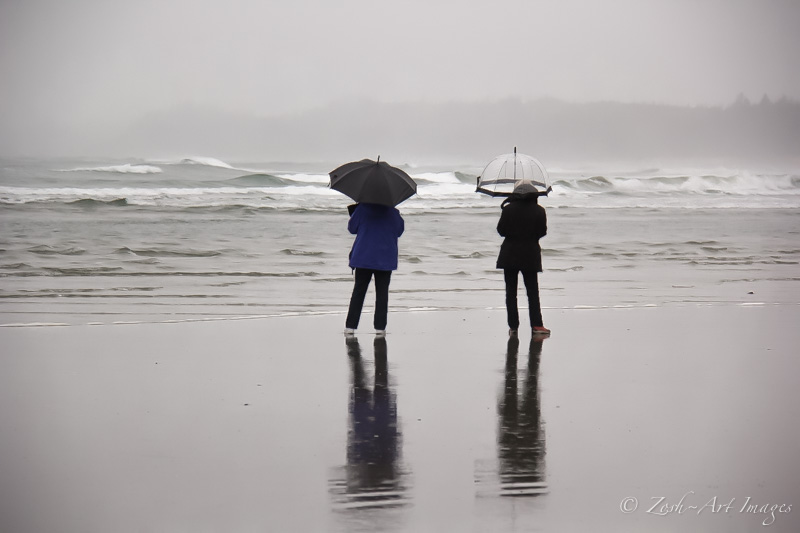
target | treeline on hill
x=550, y=128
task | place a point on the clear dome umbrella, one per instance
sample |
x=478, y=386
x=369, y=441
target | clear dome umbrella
x=508, y=174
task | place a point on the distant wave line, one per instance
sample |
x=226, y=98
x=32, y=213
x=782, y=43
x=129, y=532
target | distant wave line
x=126, y=168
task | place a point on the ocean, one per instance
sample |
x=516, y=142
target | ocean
x=104, y=241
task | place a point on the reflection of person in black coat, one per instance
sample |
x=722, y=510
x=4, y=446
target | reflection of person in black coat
x=521, y=442
x=522, y=222
x=373, y=442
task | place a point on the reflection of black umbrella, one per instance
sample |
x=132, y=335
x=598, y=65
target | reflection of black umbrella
x=373, y=182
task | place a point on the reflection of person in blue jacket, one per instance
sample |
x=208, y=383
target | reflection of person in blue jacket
x=377, y=228
x=374, y=440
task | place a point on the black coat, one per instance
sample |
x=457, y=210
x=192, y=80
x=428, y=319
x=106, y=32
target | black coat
x=522, y=222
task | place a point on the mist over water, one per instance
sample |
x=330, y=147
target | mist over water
x=278, y=81
x=557, y=132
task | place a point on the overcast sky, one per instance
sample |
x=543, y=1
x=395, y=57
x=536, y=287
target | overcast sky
x=95, y=62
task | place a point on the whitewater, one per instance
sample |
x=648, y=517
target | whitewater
x=209, y=182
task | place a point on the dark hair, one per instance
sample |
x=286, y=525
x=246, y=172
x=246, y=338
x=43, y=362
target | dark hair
x=526, y=197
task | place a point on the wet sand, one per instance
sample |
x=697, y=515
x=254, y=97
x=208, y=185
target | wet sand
x=447, y=425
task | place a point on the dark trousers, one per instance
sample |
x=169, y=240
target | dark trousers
x=363, y=277
x=531, y=279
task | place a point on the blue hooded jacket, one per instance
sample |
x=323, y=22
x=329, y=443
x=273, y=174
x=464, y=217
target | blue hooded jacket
x=377, y=228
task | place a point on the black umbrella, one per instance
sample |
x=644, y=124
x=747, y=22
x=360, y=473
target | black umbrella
x=373, y=182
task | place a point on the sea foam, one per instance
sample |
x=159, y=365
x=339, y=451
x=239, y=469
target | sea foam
x=127, y=168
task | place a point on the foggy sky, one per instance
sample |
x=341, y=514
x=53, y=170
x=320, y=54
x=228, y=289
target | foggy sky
x=78, y=66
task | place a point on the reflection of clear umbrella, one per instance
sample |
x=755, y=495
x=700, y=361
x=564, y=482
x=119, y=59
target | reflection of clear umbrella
x=373, y=182
x=513, y=173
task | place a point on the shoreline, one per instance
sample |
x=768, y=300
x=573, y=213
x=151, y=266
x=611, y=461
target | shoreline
x=369, y=310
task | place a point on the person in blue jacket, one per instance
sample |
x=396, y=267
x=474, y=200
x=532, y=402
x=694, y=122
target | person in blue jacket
x=374, y=254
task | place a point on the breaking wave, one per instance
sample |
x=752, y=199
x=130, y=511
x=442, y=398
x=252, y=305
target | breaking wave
x=209, y=183
x=660, y=184
x=205, y=161
x=260, y=180
x=210, y=162
x=127, y=168
x=91, y=202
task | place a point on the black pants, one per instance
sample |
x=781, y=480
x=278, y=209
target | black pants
x=363, y=277
x=531, y=279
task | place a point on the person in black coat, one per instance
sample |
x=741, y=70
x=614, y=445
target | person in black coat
x=522, y=222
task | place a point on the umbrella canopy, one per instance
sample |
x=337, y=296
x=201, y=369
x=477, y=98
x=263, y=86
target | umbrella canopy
x=373, y=182
x=513, y=173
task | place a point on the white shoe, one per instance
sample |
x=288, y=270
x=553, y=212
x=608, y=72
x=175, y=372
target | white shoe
x=380, y=332
x=349, y=332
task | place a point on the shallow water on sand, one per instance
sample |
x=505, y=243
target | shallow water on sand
x=108, y=265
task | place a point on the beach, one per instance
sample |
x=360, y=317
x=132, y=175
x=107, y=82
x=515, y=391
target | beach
x=179, y=280
x=247, y=425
